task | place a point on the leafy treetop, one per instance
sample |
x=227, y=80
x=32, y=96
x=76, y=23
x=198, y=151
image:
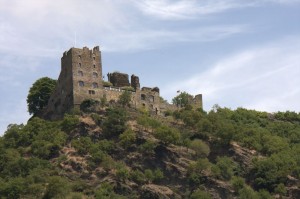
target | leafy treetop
x=39, y=94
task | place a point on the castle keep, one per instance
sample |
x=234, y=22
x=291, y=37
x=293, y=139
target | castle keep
x=81, y=78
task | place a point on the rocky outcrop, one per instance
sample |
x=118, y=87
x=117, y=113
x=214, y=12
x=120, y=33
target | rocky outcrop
x=152, y=191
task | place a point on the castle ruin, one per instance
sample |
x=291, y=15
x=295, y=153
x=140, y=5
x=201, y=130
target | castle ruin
x=81, y=78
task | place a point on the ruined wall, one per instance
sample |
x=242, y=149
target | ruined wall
x=135, y=82
x=81, y=78
x=118, y=79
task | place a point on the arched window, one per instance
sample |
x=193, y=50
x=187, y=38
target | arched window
x=80, y=73
x=95, y=75
x=81, y=83
x=79, y=64
x=143, y=97
x=94, y=65
x=95, y=85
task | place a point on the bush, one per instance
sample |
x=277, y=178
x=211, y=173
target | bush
x=125, y=98
x=127, y=138
x=138, y=176
x=89, y=105
x=82, y=145
x=168, y=135
x=107, y=84
x=58, y=187
x=202, y=150
x=69, y=123
x=224, y=168
x=148, y=147
x=199, y=194
x=114, y=124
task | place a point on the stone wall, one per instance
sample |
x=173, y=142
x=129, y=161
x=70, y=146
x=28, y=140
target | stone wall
x=81, y=78
x=118, y=79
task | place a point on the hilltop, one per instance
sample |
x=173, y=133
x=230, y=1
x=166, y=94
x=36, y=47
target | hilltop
x=111, y=150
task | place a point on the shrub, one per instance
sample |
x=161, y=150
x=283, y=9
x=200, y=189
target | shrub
x=125, y=98
x=167, y=135
x=127, y=138
x=202, y=150
x=137, y=176
x=148, y=147
x=69, y=122
x=89, y=105
x=107, y=84
x=58, y=187
x=199, y=194
x=114, y=124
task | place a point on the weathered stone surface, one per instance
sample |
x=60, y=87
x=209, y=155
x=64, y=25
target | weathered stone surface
x=81, y=78
x=152, y=191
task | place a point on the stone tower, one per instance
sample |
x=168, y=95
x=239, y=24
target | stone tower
x=80, y=78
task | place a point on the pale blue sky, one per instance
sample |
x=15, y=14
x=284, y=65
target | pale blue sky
x=237, y=53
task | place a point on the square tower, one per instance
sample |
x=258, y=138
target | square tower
x=80, y=79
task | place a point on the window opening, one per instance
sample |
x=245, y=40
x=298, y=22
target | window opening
x=95, y=75
x=95, y=85
x=81, y=83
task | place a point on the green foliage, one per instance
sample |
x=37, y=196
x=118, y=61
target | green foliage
x=202, y=150
x=182, y=99
x=153, y=176
x=248, y=193
x=89, y=105
x=103, y=101
x=69, y=122
x=39, y=94
x=148, y=147
x=122, y=172
x=58, y=187
x=106, y=191
x=167, y=135
x=200, y=194
x=237, y=183
x=97, y=118
x=107, y=84
x=128, y=88
x=224, y=168
x=127, y=138
x=196, y=171
x=280, y=189
x=137, y=176
x=125, y=98
x=114, y=124
x=82, y=145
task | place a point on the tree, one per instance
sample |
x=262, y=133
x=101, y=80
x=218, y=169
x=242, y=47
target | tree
x=182, y=99
x=39, y=94
x=125, y=98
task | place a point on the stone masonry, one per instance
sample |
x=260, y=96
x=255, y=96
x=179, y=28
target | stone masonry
x=81, y=78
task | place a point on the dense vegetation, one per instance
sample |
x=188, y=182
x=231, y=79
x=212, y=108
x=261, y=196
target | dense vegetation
x=118, y=152
x=39, y=94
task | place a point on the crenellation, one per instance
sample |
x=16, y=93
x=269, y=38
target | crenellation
x=81, y=78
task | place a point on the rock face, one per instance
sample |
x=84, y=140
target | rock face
x=152, y=191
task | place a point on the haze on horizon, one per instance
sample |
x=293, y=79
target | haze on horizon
x=236, y=53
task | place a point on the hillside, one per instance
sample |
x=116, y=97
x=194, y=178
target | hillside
x=114, y=151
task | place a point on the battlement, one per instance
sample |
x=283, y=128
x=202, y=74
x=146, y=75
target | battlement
x=81, y=78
